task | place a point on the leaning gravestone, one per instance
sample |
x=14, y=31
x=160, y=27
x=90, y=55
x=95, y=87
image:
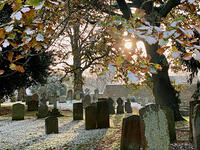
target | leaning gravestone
x=154, y=128
x=102, y=115
x=192, y=105
x=51, y=125
x=86, y=101
x=18, y=111
x=131, y=137
x=78, y=111
x=90, y=117
x=120, y=107
x=196, y=127
x=111, y=107
x=128, y=108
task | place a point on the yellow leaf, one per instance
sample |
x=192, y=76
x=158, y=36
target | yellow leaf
x=174, y=48
x=10, y=56
x=2, y=34
x=12, y=66
x=2, y=72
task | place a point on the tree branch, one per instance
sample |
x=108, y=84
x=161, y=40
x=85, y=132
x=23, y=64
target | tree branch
x=124, y=9
x=135, y=4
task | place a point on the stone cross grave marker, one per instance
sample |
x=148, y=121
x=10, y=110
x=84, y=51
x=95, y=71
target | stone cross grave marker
x=103, y=120
x=120, y=107
x=78, y=111
x=128, y=108
x=154, y=128
x=196, y=127
x=131, y=137
x=18, y=111
x=90, y=117
x=51, y=125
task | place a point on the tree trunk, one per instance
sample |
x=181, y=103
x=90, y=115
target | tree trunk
x=163, y=91
x=76, y=51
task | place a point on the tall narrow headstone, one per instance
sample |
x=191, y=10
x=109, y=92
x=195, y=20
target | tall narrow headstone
x=196, y=127
x=78, y=111
x=51, y=125
x=96, y=95
x=154, y=128
x=103, y=115
x=42, y=111
x=111, y=107
x=86, y=101
x=18, y=111
x=192, y=105
x=131, y=137
x=120, y=107
x=128, y=108
x=32, y=105
x=90, y=117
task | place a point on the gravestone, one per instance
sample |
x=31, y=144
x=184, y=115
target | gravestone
x=171, y=123
x=51, y=125
x=128, y=108
x=102, y=115
x=86, y=101
x=42, y=111
x=111, y=107
x=78, y=111
x=18, y=111
x=120, y=107
x=77, y=95
x=32, y=105
x=192, y=105
x=90, y=117
x=154, y=128
x=96, y=95
x=131, y=137
x=70, y=95
x=196, y=127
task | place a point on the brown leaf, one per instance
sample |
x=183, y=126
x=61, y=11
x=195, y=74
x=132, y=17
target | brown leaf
x=162, y=50
x=10, y=56
x=2, y=72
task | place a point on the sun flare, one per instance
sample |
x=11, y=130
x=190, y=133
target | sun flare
x=128, y=44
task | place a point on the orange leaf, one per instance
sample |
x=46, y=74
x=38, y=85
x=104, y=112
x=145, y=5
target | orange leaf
x=187, y=56
x=18, y=57
x=19, y=68
x=162, y=50
x=2, y=72
x=13, y=44
x=2, y=34
x=10, y=56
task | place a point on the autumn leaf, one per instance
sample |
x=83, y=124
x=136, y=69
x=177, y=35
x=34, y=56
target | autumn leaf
x=158, y=66
x=2, y=34
x=162, y=50
x=2, y=72
x=20, y=68
x=15, y=67
x=10, y=56
x=18, y=57
x=13, y=44
x=187, y=56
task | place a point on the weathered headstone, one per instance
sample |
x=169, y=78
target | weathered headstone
x=96, y=95
x=111, y=107
x=120, y=107
x=103, y=115
x=154, y=128
x=196, y=127
x=51, y=125
x=18, y=111
x=192, y=105
x=131, y=137
x=128, y=108
x=42, y=111
x=77, y=95
x=78, y=111
x=70, y=95
x=32, y=105
x=90, y=117
x=171, y=123
x=86, y=101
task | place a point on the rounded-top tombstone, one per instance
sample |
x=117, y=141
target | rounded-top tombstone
x=18, y=111
x=120, y=107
